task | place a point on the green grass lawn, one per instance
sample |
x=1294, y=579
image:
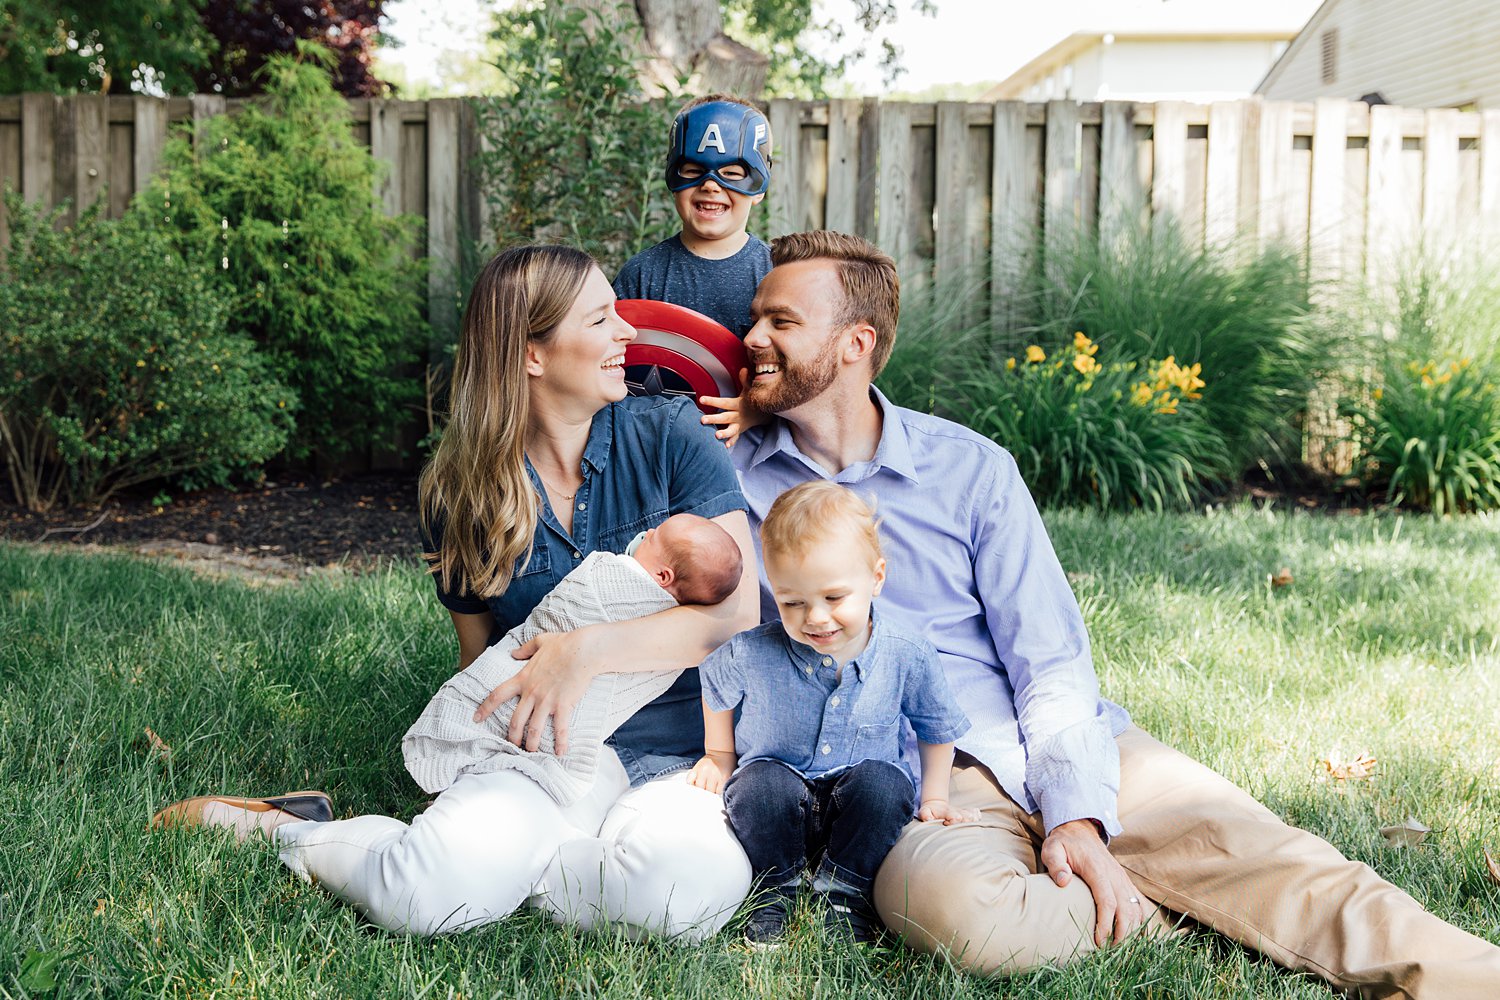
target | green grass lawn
x=1386, y=642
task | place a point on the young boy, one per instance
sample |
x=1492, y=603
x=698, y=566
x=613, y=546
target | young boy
x=687, y=560
x=815, y=773
x=718, y=168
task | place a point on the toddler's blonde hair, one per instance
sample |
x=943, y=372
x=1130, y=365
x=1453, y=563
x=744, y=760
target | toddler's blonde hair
x=817, y=511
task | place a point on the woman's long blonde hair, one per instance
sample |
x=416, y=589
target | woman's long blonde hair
x=475, y=489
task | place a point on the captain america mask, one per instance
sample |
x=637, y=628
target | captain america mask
x=726, y=141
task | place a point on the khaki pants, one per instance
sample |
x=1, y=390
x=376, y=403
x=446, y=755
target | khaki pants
x=1194, y=844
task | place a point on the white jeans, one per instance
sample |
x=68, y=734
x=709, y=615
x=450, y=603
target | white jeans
x=658, y=859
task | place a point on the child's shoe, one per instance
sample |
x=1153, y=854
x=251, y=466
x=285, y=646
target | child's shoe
x=851, y=918
x=765, y=927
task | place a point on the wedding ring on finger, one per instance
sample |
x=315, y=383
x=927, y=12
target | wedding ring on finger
x=1134, y=900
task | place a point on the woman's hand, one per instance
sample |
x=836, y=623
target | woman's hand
x=939, y=811
x=559, y=667
x=712, y=771
x=736, y=415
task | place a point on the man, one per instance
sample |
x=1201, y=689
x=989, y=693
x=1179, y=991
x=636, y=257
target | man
x=1091, y=829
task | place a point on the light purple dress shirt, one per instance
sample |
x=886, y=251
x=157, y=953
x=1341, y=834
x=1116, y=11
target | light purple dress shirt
x=969, y=567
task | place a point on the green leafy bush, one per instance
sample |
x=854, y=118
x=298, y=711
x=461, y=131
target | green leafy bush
x=1243, y=313
x=1114, y=434
x=280, y=196
x=573, y=153
x=1429, y=433
x=117, y=365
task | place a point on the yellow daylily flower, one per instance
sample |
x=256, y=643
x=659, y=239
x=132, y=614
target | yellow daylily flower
x=1084, y=363
x=1035, y=354
x=1141, y=394
x=1083, y=345
x=1010, y=364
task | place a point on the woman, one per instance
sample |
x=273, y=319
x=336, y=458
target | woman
x=544, y=460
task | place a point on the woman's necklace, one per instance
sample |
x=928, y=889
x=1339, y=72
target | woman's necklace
x=565, y=496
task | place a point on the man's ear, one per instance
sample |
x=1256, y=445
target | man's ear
x=534, y=365
x=860, y=342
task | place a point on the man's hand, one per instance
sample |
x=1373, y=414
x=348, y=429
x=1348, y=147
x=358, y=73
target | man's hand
x=712, y=771
x=1075, y=848
x=558, y=670
x=736, y=415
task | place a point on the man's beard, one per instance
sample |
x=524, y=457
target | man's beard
x=796, y=384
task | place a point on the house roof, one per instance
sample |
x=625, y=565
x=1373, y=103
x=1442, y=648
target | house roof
x=1303, y=39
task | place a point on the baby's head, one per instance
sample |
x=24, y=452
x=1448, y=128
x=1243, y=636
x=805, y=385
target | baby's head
x=823, y=559
x=693, y=559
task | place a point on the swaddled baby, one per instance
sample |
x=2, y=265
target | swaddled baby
x=687, y=560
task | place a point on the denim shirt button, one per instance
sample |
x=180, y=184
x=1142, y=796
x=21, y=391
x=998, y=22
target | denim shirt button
x=827, y=662
x=577, y=555
x=827, y=749
x=583, y=506
x=834, y=701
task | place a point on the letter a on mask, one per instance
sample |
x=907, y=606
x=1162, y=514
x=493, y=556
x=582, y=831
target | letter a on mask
x=711, y=137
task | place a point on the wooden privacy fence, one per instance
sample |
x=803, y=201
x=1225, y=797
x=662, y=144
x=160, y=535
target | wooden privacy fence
x=949, y=189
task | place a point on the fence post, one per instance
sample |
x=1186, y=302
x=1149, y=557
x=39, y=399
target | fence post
x=1439, y=172
x=1325, y=212
x=1120, y=200
x=1010, y=228
x=1382, y=190
x=788, y=193
x=1169, y=159
x=1221, y=199
x=150, y=124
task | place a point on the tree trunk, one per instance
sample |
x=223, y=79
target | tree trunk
x=685, y=48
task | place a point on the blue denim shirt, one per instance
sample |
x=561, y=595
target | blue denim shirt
x=971, y=569
x=793, y=709
x=646, y=459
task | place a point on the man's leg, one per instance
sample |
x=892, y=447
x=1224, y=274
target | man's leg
x=664, y=862
x=1199, y=845
x=973, y=891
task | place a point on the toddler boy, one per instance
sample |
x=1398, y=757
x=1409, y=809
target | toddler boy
x=718, y=168
x=687, y=560
x=817, y=772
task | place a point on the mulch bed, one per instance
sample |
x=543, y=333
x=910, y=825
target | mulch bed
x=354, y=522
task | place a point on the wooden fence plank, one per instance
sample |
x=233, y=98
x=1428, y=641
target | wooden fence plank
x=787, y=197
x=1194, y=173
x=1383, y=231
x=444, y=227
x=202, y=107
x=1010, y=225
x=892, y=228
x=868, y=194
x=922, y=204
x=1120, y=194
x=38, y=115
x=841, y=208
x=814, y=185
x=1326, y=201
x=385, y=145
x=149, y=116
x=120, y=174
x=1275, y=171
x=90, y=147
x=1221, y=198
x=1088, y=167
x=1356, y=189
x=1440, y=174
x=1169, y=159
x=950, y=236
x=1247, y=218
x=1489, y=173
x=1060, y=215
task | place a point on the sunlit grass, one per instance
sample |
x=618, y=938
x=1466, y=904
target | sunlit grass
x=1387, y=641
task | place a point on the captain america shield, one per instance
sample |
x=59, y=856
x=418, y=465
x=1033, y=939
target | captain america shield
x=679, y=352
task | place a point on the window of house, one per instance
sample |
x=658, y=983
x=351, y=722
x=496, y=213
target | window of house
x=1330, y=41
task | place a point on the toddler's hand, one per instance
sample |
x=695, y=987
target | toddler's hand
x=938, y=810
x=737, y=415
x=710, y=774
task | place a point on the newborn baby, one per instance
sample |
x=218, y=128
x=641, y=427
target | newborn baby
x=686, y=560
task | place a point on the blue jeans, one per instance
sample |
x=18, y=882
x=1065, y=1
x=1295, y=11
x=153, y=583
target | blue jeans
x=841, y=826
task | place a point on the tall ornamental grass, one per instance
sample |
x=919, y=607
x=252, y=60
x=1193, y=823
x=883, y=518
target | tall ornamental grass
x=1424, y=399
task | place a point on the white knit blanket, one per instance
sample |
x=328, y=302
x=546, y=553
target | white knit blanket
x=445, y=742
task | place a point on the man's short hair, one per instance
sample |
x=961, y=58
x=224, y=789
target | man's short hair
x=872, y=291
x=818, y=511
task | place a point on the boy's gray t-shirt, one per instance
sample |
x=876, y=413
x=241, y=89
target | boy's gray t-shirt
x=719, y=289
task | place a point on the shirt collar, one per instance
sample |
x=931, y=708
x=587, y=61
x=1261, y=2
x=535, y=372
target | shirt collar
x=601, y=433
x=892, y=453
x=804, y=655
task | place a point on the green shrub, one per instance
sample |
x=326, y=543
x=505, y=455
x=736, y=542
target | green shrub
x=574, y=152
x=280, y=196
x=1429, y=433
x=1243, y=314
x=117, y=365
x=1114, y=434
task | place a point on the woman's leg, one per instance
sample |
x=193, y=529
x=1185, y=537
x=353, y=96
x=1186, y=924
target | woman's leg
x=470, y=859
x=664, y=862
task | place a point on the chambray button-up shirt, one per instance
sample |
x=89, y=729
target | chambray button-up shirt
x=798, y=708
x=646, y=459
x=970, y=568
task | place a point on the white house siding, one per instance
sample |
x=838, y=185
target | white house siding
x=1415, y=53
x=1196, y=69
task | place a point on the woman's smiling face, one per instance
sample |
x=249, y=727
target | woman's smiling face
x=584, y=359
